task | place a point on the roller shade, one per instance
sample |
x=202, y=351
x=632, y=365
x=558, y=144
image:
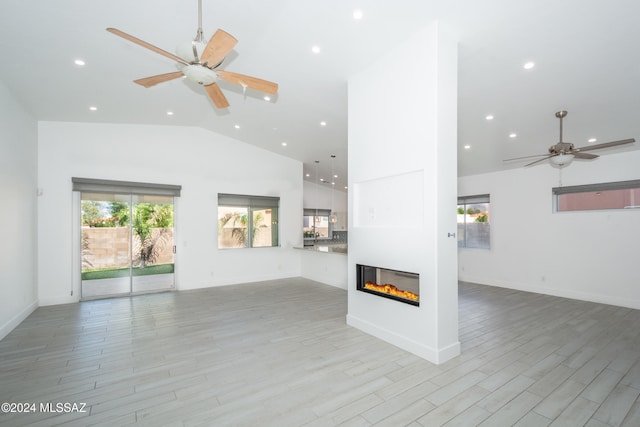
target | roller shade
x=471, y=200
x=318, y=212
x=90, y=185
x=249, y=201
x=620, y=185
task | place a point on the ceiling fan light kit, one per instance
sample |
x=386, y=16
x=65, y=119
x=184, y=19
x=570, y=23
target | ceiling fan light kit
x=200, y=75
x=563, y=153
x=562, y=159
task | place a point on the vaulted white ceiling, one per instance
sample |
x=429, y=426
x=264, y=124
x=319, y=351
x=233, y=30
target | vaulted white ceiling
x=586, y=55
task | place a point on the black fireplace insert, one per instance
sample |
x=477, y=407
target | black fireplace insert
x=393, y=284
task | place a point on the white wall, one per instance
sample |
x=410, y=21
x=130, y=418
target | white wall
x=328, y=268
x=589, y=255
x=204, y=163
x=18, y=239
x=402, y=178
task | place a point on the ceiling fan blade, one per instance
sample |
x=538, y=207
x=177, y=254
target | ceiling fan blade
x=216, y=95
x=525, y=157
x=587, y=156
x=160, y=78
x=248, y=81
x=146, y=45
x=218, y=47
x=540, y=160
x=605, y=145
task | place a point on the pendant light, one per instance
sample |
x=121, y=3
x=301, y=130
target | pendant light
x=316, y=217
x=333, y=218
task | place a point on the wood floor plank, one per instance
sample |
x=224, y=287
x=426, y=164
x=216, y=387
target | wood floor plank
x=500, y=397
x=280, y=353
x=559, y=399
x=576, y=414
x=615, y=408
x=513, y=411
x=633, y=416
x=453, y=407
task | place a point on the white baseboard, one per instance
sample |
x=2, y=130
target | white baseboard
x=563, y=293
x=59, y=300
x=17, y=319
x=433, y=355
x=235, y=281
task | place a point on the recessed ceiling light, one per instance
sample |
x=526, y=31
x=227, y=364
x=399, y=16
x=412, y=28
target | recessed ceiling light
x=592, y=139
x=79, y=62
x=335, y=176
x=345, y=187
x=489, y=117
x=466, y=147
x=357, y=14
x=93, y=108
x=267, y=98
x=169, y=113
x=323, y=123
x=512, y=135
x=308, y=175
x=333, y=183
x=529, y=65
x=284, y=144
x=236, y=126
x=315, y=49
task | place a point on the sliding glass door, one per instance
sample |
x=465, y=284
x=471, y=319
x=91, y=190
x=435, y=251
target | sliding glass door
x=106, y=245
x=127, y=243
x=153, y=244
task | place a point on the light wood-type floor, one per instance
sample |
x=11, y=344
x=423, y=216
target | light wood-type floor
x=279, y=353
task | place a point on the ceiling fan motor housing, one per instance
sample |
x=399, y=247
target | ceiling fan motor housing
x=561, y=148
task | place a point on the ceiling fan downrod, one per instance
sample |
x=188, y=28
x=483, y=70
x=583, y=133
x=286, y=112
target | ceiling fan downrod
x=561, y=115
x=199, y=34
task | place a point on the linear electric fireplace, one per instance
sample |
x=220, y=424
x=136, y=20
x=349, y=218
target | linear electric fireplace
x=393, y=284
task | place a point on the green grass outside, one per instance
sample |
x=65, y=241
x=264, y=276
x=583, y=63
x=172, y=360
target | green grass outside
x=110, y=273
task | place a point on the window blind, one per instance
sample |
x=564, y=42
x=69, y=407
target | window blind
x=250, y=201
x=470, y=200
x=316, y=212
x=619, y=185
x=90, y=185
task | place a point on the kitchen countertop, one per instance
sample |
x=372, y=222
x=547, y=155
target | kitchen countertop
x=331, y=248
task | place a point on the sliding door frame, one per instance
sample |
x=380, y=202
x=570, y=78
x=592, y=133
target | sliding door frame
x=132, y=189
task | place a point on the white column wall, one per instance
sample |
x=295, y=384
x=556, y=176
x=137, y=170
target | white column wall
x=588, y=255
x=204, y=163
x=18, y=237
x=402, y=191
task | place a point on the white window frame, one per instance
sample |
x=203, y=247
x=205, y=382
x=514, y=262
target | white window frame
x=470, y=200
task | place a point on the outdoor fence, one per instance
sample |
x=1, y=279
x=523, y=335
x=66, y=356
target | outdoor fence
x=109, y=247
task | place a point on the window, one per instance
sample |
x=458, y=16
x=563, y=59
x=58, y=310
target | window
x=473, y=222
x=247, y=221
x=316, y=223
x=610, y=195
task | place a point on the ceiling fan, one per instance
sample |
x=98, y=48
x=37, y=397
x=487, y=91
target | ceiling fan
x=563, y=153
x=201, y=64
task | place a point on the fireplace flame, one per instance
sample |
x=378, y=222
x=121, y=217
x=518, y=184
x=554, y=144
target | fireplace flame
x=391, y=290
